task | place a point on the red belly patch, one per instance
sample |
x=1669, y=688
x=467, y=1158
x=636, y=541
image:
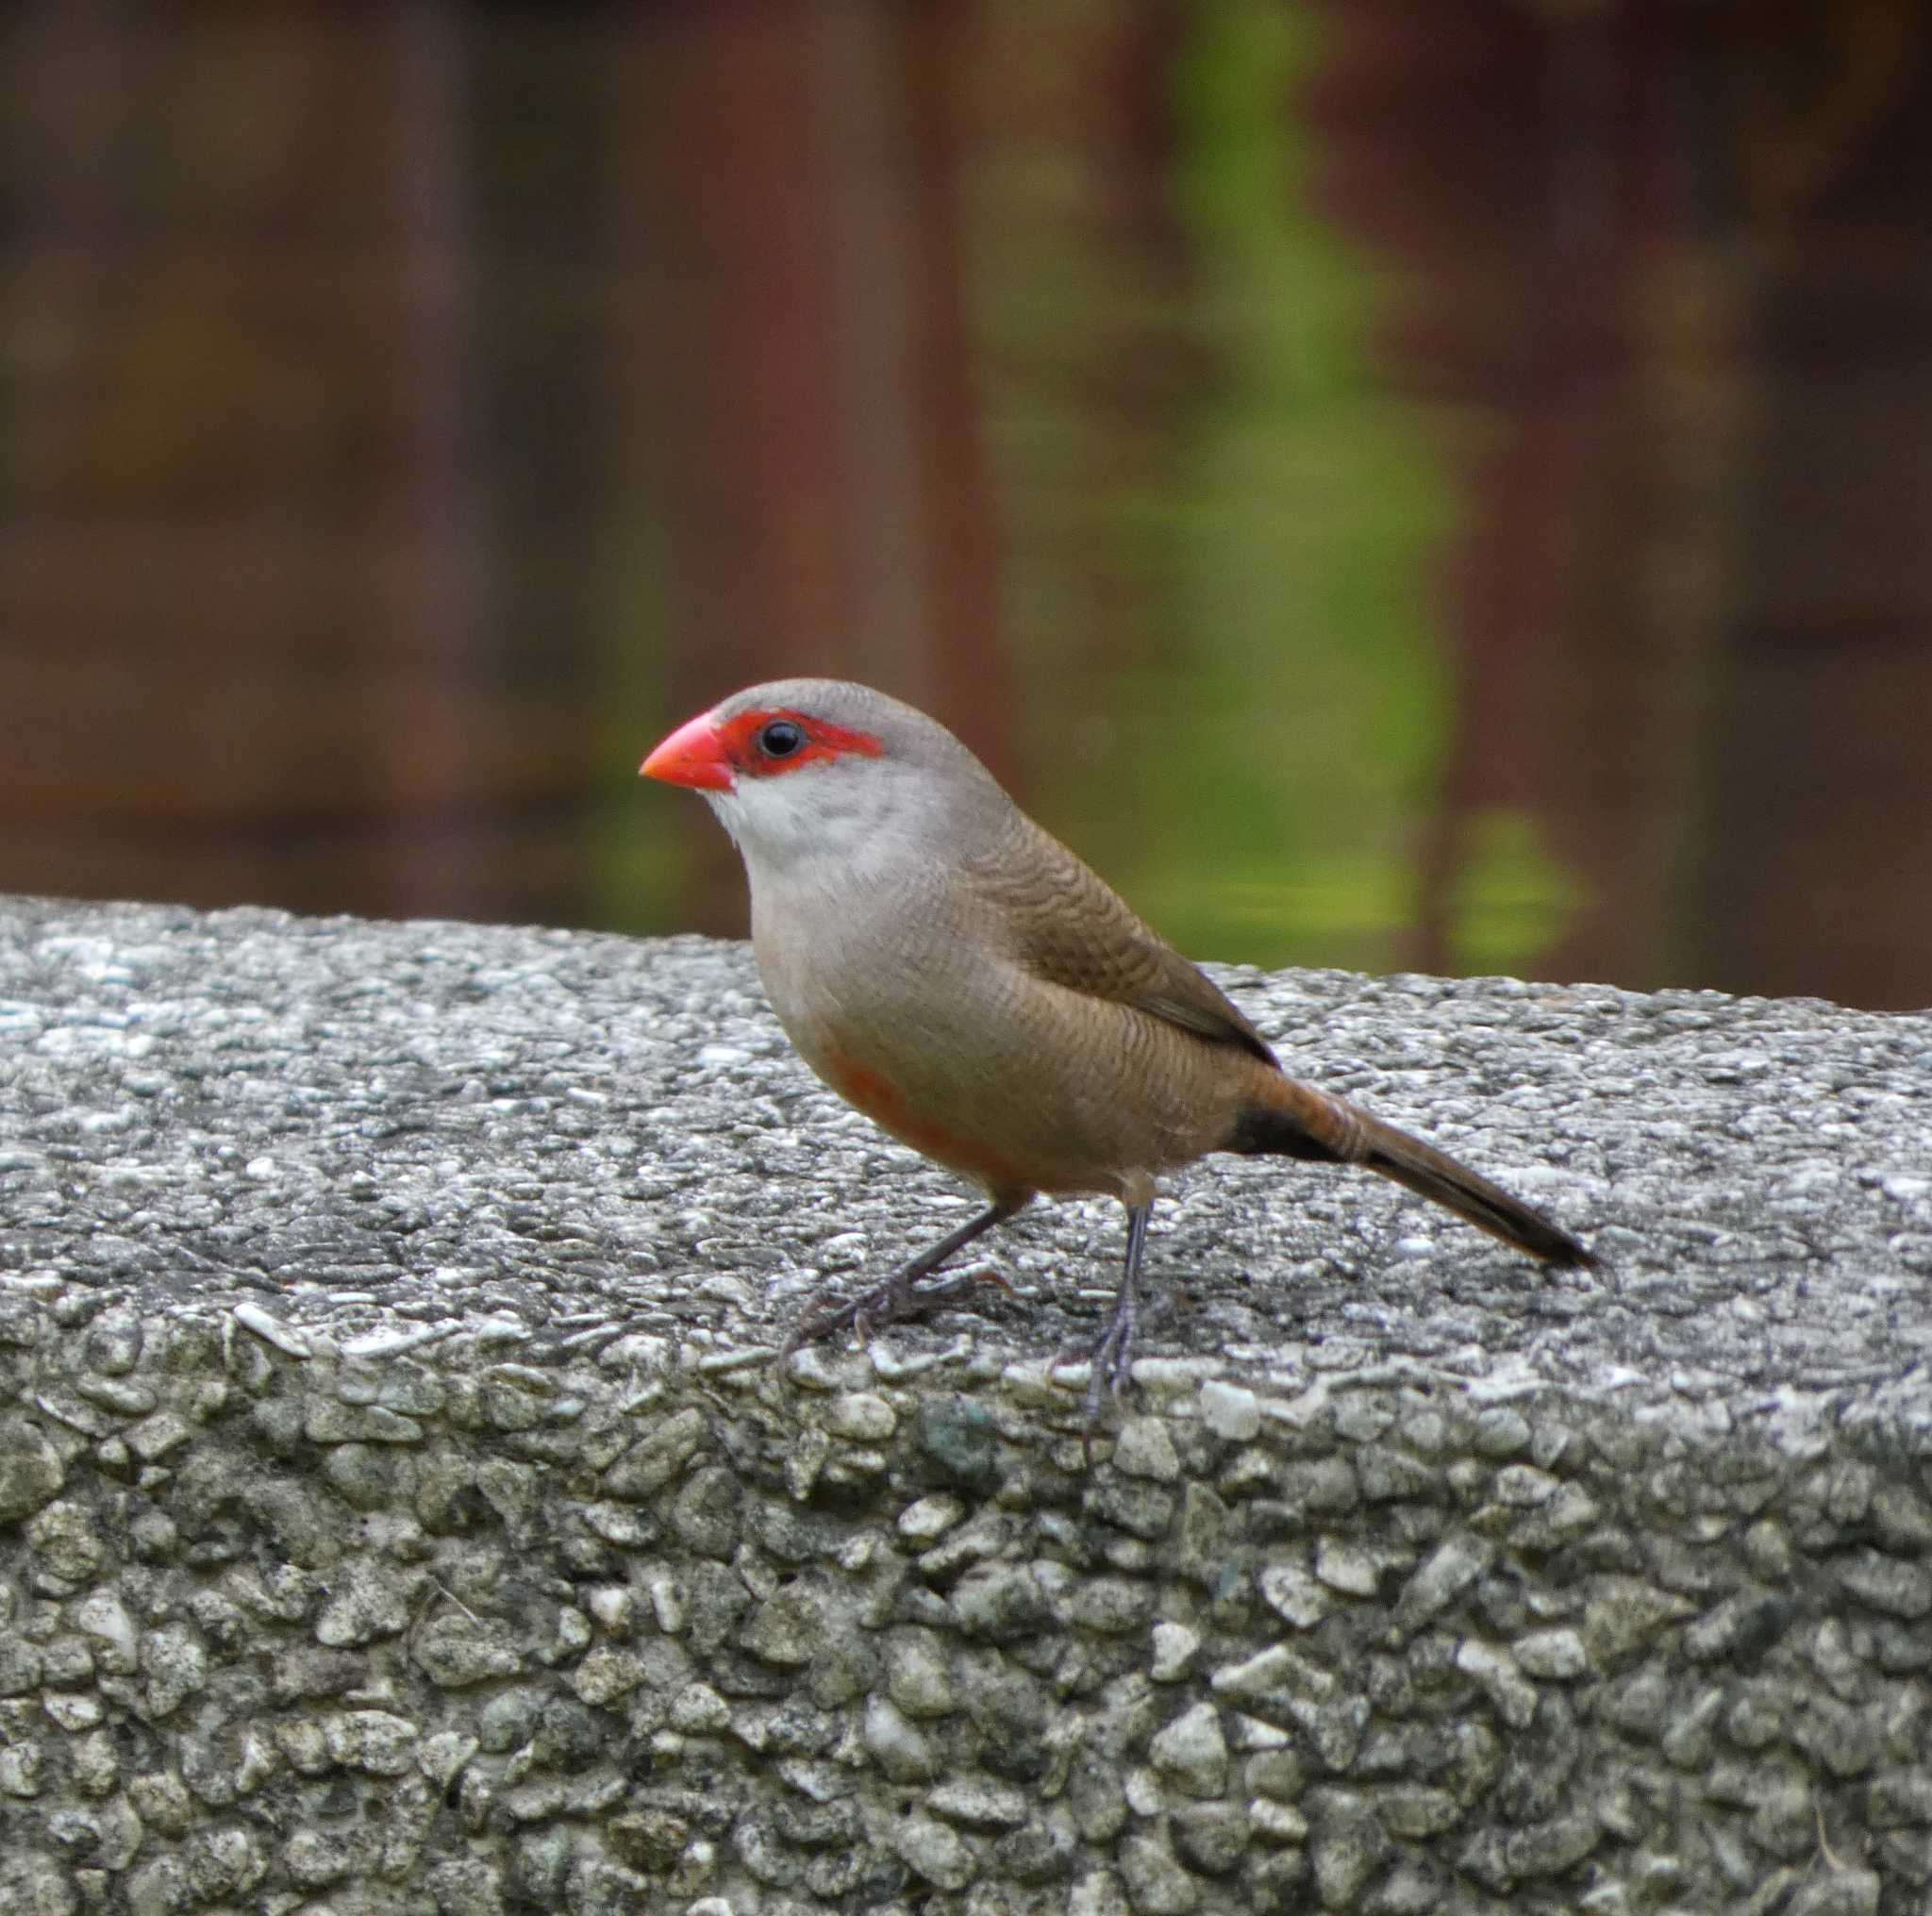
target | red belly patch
x=869, y=1091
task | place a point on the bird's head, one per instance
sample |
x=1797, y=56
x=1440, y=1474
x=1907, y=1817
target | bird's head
x=821, y=766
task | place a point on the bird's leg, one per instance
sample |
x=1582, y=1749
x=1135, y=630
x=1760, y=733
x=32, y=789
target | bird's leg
x=898, y=1296
x=1112, y=1352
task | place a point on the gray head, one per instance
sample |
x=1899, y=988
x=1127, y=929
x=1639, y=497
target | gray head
x=806, y=768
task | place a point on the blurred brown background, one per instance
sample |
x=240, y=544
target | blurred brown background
x=1395, y=482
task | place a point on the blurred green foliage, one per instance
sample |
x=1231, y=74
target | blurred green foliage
x=1254, y=789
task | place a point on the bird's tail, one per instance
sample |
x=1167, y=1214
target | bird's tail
x=1292, y=1120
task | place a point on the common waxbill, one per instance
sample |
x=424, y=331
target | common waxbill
x=960, y=976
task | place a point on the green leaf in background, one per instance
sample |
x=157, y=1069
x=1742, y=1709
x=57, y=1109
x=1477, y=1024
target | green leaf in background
x=1510, y=898
x=1275, y=740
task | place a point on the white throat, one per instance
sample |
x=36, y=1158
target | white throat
x=846, y=823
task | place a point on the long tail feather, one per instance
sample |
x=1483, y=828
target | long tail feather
x=1300, y=1122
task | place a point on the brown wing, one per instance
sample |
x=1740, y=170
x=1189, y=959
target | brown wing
x=1066, y=924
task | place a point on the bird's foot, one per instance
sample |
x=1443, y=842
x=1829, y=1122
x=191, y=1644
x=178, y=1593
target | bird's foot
x=1109, y=1360
x=901, y=1296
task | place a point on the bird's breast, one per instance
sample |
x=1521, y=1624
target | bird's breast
x=878, y=1007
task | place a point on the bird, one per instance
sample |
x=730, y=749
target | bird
x=959, y=976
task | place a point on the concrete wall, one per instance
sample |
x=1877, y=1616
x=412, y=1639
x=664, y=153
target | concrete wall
x=398, y=1511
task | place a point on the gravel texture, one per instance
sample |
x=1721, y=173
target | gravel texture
x=399, y=1512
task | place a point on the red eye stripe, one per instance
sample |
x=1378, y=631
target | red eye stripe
x=738, y=738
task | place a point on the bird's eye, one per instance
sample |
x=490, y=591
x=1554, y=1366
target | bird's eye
x=780, y=739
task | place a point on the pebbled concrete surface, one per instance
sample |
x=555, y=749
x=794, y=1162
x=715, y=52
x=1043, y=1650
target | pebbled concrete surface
x=393, y=1507
x=363, y=1123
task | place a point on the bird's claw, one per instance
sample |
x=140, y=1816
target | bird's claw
x=892, y=1301
x=1109, y=1361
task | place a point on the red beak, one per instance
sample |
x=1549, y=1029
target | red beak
x=691, y=755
